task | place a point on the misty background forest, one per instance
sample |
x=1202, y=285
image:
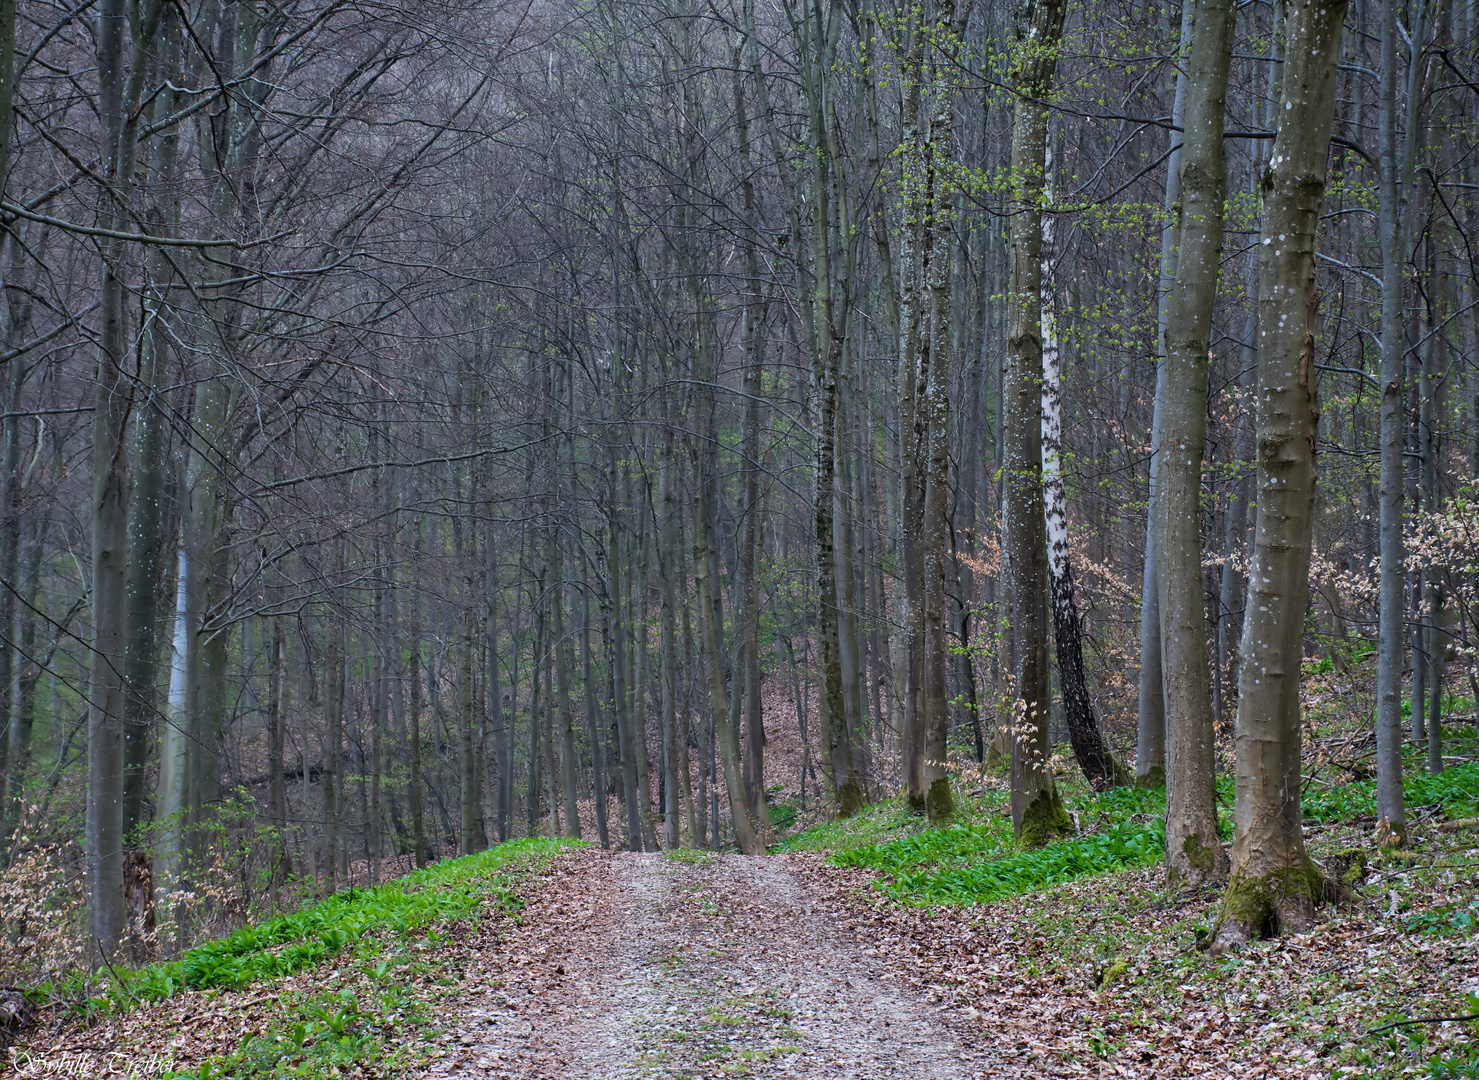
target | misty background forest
x=674, y=424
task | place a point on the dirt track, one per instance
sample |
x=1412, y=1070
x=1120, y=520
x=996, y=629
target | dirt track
x=648, y=966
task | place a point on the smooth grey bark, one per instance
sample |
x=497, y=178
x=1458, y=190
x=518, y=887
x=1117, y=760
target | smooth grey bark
x=565, y=724
x=753, y=320
x=536, y=704
x=1037, y=808
x=592, y=710
x=668, y=555
x=417, y=778
x=1396, y=161
x=148, y=546
x=1194, y=853
x=336, y=663
x=278, y=705
x=617, y=636
x=1150, y=734
x=726, y=742
x=641, y=661
x=1273, y=885
x=117, y=106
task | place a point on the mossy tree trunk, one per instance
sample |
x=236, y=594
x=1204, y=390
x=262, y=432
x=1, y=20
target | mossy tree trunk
x=1274, y=886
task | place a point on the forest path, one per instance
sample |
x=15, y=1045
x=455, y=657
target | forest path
x=634, y=966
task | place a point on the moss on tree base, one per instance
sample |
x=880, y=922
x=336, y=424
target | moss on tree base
x=849, y=799
x=1155, y=778
x=1253, y=909
x=995, y=759
x=939, y=804
x=1198, y=863
x=1043, y=819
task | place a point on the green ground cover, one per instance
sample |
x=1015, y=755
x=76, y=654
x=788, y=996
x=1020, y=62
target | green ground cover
x=976, y=860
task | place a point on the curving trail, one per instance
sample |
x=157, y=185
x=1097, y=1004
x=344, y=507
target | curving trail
x=649, y=966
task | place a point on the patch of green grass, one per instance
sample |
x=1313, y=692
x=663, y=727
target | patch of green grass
x=879, y=822
x=383, y=1020
x=1117, y=848
x=977, y=861
x=782, y=816
x=687, y=855
x=1455, y=791
x=288, y=943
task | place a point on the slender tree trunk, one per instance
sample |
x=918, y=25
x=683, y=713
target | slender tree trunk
x=1037, y=809
x=1396, y=164
x=1274, y=886
x=418, y=776
x=336, y=664
x=1150, y=752
x=592, y=711
x=562, y=689
x=277, y=711
x=174, y=749
x=23, y=680
x=1093, y=754
x=117, y=101
x=725, y=738
x=668, y=558
x=937, y=377
x=1194, y=853
x=536, y=705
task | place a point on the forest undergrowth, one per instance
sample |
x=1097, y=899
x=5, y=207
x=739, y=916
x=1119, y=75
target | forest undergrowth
x=1072, y=960
x=1078, y=960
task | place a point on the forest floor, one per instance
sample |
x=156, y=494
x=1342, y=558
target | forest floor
x=694, y=965
x=691, y=964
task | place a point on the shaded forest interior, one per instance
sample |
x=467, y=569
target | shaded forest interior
x=432, y=424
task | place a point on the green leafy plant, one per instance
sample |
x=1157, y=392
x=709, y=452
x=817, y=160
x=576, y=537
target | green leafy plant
x=1446, y=920
x=291, y=942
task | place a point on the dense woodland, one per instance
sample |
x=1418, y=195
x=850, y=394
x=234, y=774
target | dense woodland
x=428, y=424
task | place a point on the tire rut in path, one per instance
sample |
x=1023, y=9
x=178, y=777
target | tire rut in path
x=639, y=966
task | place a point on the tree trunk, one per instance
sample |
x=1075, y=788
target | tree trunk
x=1150, y=748
x=1037, y=809
x=668, y=558
x=1194, y=854
x=337, y=665
x=725, y=738
x=1274, y=885
x=1093, y=754
x=562, y=688
x=277, y=796
x=937, y=377
x=1396, y=169
x=592, y=712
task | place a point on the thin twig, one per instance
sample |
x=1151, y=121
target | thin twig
x=116, y=977
x=1422, y=1020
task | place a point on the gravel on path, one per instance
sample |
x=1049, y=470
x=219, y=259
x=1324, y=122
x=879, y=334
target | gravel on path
x=694, y=965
